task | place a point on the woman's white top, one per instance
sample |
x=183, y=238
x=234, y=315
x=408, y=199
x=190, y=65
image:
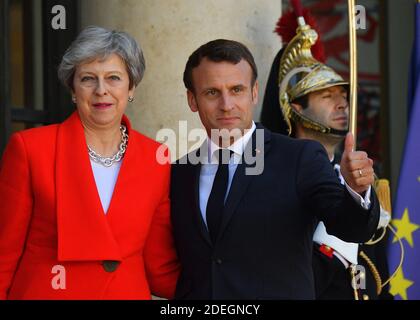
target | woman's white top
x=105, y=178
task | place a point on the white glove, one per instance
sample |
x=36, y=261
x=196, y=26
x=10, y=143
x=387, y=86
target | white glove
x=384, y=218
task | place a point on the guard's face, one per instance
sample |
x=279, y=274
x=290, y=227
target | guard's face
x=101, y=88
x=223, y=95
x=329, y=107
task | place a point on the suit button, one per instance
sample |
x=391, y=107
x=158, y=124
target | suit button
x=110, y=265
x=218, y=260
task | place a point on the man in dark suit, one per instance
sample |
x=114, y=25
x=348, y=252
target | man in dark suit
x=245, y=204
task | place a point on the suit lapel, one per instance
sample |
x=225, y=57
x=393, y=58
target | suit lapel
x=242, y=177
x=83, y=229
x=197, y=212
x=195, y=171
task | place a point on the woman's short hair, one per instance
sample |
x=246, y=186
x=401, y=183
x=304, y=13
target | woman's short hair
x=98, y=43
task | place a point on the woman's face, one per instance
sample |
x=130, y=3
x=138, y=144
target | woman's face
x=101, y=89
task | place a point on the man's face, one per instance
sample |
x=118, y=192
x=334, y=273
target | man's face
x=223, y=95
x=329, y=107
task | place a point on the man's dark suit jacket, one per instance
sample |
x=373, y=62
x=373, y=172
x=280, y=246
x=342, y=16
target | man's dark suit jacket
x=264, y=248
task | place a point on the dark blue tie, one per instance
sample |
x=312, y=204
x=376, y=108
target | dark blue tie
x=216, y=202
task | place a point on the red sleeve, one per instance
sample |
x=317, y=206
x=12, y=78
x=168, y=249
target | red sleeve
x=162, y=266
x=15, y=209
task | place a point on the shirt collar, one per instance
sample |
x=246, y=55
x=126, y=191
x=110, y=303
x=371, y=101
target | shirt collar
x=237, y=147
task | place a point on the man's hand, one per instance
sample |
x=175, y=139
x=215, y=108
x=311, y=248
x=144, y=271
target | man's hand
x=356, y=167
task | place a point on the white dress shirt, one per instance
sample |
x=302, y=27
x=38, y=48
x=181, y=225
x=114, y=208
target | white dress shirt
x=209, y=167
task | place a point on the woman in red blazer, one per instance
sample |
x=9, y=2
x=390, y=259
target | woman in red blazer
x=84, y=207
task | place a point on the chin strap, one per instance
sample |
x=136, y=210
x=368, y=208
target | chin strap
x=313, y=125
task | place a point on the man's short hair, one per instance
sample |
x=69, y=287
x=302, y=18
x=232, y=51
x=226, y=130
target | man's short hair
x=218, y=51
x=302, y=101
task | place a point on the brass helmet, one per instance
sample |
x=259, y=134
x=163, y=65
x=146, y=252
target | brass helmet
x=300, y=73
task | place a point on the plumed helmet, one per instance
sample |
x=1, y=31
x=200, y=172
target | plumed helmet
x=300, y=74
